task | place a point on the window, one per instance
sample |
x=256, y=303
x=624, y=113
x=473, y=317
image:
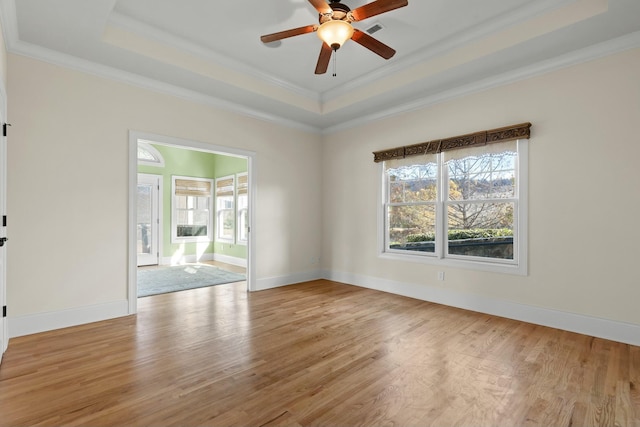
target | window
x=148, y=155
x=225, y=209
x=191, y=209
x=242, y=187
x=462, y=207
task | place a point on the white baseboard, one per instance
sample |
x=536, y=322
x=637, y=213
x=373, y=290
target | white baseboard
x=587, y=325
x=240, y=262
x=602, y=328
x=186, y=259
x=42, y=322
x=275, y=282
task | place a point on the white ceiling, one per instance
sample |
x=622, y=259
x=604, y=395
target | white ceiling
x=210, y=51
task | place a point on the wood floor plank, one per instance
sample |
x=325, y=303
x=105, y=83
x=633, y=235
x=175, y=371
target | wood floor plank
x=317, y=353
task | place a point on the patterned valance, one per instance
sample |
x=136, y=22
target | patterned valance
x=507, y=133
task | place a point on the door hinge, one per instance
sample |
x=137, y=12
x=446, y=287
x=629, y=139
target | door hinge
x=4, y=311
x=4, y=128
x=4, y=220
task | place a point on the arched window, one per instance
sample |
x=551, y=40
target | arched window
x=148, y=155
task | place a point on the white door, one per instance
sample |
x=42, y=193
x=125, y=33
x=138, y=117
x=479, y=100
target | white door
x=4, y=333
x=148, y=222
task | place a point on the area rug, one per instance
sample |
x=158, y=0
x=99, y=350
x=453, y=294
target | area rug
x=161, y=280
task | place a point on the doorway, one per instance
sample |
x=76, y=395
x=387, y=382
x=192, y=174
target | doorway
x=136, y=238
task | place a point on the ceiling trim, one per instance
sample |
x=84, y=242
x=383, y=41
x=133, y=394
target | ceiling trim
x=481, y=30
x=14, y=45
x=610, y=47
x=82, y=65
x=153, y=33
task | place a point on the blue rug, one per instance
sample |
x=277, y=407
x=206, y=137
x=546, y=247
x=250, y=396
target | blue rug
x=161, y=280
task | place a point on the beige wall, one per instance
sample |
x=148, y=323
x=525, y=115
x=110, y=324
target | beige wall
x=67, y=183
x=67, y=187
x=584, y=191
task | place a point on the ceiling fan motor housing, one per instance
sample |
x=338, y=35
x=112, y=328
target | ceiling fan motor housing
x=339, y=12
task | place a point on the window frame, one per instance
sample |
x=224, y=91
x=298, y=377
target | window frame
x=517, y=266
x=158, y=160
x=217, y=221
x=174, y=212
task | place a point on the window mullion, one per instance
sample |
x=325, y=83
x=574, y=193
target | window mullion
x=441, y=196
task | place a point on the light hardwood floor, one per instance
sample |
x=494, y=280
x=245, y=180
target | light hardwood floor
x=319, y=353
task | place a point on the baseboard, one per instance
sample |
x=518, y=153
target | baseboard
x=276, y=282
x=587, y=325
x=42, y=322
x=186, y=259
x=602, y=328
x=240, y=262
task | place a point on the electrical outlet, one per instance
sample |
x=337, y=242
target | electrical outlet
x=440, y=275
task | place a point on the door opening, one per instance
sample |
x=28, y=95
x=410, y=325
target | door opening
x=196, y=244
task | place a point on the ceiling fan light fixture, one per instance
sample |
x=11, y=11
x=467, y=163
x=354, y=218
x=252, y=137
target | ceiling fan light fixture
x=335, y=32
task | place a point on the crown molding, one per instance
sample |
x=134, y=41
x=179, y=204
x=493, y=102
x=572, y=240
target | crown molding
x=68, y=61
x=610, y=47
x=155, y=34
x=483, y=29
x=16, y=46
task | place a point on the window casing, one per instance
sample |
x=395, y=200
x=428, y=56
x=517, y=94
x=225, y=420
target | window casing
x=192, y=202
x=461, y=208
x=225, y=209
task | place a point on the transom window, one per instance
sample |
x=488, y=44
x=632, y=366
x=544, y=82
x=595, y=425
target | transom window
x=148, y=155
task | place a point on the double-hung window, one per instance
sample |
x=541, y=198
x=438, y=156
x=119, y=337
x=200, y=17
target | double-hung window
x=191, y=205
x=225, y=209
x=463, y=207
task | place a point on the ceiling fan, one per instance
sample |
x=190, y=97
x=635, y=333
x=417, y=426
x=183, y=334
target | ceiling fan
x=335, y=28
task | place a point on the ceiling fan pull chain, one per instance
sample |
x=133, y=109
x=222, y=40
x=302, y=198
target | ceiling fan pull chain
x=335, y=59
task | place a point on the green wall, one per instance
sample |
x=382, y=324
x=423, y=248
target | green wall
x=197, y=164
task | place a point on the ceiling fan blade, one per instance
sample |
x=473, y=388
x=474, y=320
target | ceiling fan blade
x=288, y=33
x=376, y=8
x=323, y=59
x=374, y=45
x=321, y=6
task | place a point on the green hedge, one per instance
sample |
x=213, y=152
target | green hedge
x=474, y=233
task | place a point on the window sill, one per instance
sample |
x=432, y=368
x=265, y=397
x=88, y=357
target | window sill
x=492, y=267
x=202, y=239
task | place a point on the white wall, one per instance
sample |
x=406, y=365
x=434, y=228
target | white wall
x=67, y=193
x=584, y=197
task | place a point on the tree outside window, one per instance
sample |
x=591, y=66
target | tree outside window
x=458, y=204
